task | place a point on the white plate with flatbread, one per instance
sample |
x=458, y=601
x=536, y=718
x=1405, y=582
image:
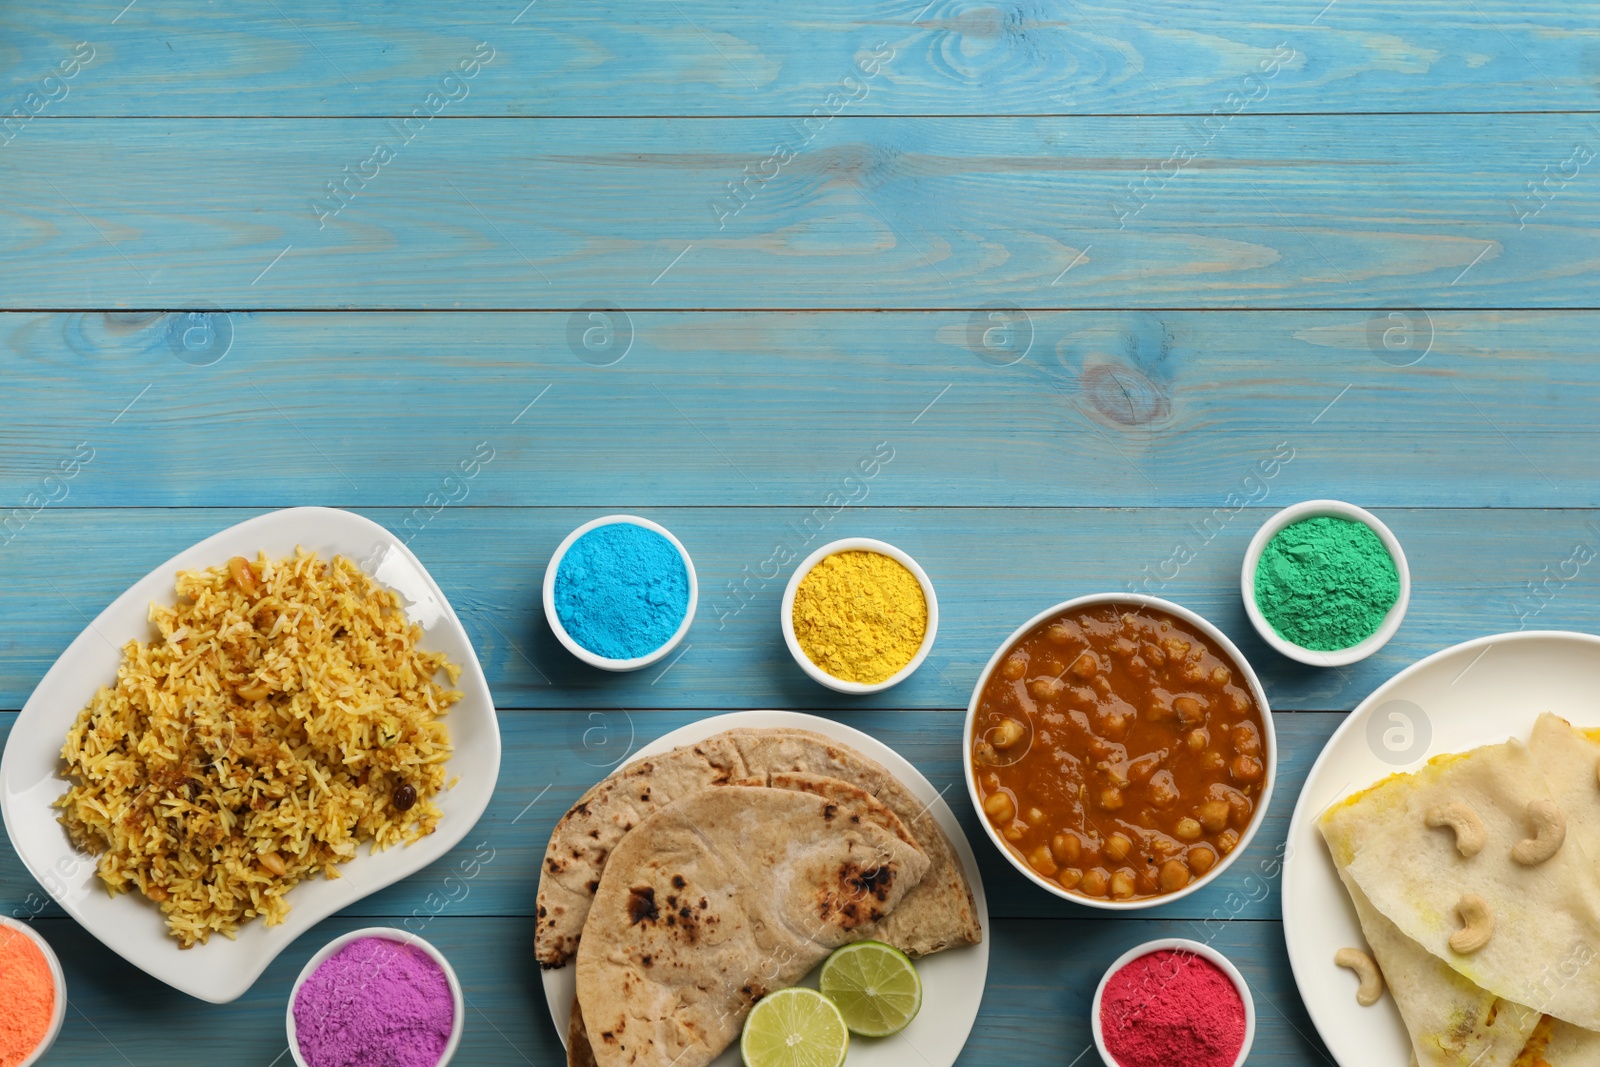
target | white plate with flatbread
x=222, y=969
x=1481, y=692
x=952, y=981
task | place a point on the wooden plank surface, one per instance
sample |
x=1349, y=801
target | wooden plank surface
x=1346, y=211
x=1084, y=272
x=992, y=569
x=1094, y=409
x=559, y=57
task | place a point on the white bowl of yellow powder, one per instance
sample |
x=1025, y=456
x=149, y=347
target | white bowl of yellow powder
x=859, y=615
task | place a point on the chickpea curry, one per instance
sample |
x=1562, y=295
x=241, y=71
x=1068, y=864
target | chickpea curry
x=1118, y=752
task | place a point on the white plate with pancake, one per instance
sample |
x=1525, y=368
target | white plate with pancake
x=952, y=981
x=221, y=970
x=1481, y=692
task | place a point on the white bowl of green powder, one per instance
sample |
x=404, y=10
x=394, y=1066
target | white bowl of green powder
x=1325, y=583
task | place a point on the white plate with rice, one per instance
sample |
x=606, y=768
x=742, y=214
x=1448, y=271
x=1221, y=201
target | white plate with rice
x=222, y=969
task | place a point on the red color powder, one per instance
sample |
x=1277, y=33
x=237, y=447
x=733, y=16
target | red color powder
x=1171, y=1008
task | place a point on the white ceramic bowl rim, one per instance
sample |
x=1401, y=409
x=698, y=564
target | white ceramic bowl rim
x=594, y=659
x=387, y=933
x=1178, y=944
x=1339, y=509
x=1269, y=746
x=58, y=1010
x=858, y=544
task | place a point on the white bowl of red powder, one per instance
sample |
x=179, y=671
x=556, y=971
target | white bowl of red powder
x=1173, y=1001
x=376, y=997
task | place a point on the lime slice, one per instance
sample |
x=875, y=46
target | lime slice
x=794, y=1028
x=875, y=986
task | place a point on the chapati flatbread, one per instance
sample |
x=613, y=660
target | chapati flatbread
x=1569, y=759
x=1559, y=1044
x=717, y=899
x=1414, y=876
x=938, y=914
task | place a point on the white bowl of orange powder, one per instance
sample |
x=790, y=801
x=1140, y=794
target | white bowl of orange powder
x=859, y=615
x=33, y=994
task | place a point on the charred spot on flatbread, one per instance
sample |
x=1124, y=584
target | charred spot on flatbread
x=642, y=905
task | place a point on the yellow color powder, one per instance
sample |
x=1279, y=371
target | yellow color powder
x=860, y=616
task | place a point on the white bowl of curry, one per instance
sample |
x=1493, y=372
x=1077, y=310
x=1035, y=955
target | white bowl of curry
x=1119, y=751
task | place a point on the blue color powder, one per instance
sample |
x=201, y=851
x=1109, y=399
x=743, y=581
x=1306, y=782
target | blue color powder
x=621, y=591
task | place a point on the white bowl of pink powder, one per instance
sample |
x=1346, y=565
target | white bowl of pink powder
x=376, y=997
x=1173, y=1001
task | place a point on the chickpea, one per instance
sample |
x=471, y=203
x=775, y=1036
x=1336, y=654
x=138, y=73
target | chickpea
x=1046, y=688
x=1101, y=684
x=1086, y=666
x=1246, y=741
x=1188, y=710
x=1246, y=769
x=1012, y=833
x=1187, y=829
x=1070, y=878
x=1066, y=848
x=1213, y=815
x=1111, y=798
x=1198, y=739
x=1053, y=667
x=1142, y=768
x=1117, y=847
x=1241, y=807
x=1159, y=710
x=1041, y=860
x=1153, y=655
x=1096, y=882
x=1000, y=807
x=1015, y=666
x=1174, y=876
x=1115, y=726
x=1193, y=673
x=1007, y=734
x=1123, y=647
x=1163, y=789
x=1122, y=884
x=986, y=753
x=1202, y=859
x=1035, y=816
x=1061, y=633
x=1221, y=676
x=1213, y=762
x=1163, y=847
x=1227, y=841
x=1176, y=647
x=1239, y=699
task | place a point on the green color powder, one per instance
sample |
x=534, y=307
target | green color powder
x=1326, y=583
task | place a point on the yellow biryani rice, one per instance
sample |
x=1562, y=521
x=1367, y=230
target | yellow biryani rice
x=284, y=716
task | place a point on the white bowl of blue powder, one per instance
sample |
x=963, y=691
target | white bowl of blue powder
x=620, y=592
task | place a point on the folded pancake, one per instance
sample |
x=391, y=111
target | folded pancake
x=1452, y=1022
x=1570, y=761
x=860, y=806
x=1558, y=1044
x=1415, y=875
x=717, y=899
x=938, y=914
x=586, y=835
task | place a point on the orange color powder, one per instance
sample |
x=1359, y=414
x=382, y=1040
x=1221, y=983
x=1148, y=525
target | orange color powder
x=27, y=997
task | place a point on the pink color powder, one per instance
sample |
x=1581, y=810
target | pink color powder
x=374, y=1003
x=1171, y=1008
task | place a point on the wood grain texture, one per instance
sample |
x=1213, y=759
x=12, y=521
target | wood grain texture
x=992, y=569
x=1268, y=211
x=552, y=757
x=1100, y=409
x=950, y=56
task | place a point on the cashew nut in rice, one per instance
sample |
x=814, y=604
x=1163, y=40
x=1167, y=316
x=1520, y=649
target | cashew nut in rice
x=1549, y=831
x=1366, y=968
x=1470, y=834
x=1477, y=925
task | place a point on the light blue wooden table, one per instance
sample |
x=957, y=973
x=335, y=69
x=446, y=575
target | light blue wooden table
x=1076, y=266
